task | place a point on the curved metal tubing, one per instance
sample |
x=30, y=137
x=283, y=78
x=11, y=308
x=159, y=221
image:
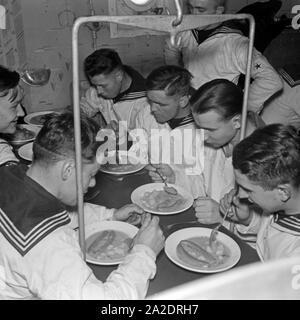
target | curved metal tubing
x=178, y=19
x=153, y=22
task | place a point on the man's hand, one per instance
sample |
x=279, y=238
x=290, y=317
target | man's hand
x=130, y=213
x=150, y=234
x=164, y=169
x=240, y=211
x=113, y=125
x=207, y=210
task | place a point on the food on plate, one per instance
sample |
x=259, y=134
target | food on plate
x=197, y=252
x=39, y=120
x=21, y=134
x=108, y=245
x=170, y=190
x=161, y=200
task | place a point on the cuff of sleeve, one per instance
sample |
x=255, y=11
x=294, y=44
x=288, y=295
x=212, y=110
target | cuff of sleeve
x=148, y=251
x=111, y=213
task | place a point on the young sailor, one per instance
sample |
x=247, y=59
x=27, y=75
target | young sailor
x=10, y=109
x=266, y=168
x=40, y=255
x=218, y=51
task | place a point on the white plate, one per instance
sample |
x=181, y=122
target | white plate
x=90, y=230
x=17, y=141
x=32, y=118
x=133, y=161
x=174, y=239
x=139, y=192
x=25, y=152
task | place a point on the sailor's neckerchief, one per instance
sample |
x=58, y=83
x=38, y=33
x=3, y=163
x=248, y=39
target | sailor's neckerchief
x=28, y=212
x=137, y=88
x=287, y=223
x=179, y=122
x=201, y=35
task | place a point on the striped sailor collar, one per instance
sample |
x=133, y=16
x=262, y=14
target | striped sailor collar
x=28, y=212
x=179, y=122
x=291, y=74
x=201, y=35
x=137, y=88
x=288, y=222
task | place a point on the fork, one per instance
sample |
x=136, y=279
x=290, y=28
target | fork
x=214, y=231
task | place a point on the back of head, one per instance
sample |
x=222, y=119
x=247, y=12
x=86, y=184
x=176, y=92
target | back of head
x=206, y=6
x=8, y=80
x=270, y=156
x=56, y=139
x=174, y=80
x=102, y=61
x=219, y=95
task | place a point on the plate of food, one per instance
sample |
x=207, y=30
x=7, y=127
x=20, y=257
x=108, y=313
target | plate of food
x=121, y=163
x=24, y=133
x=189, y=248
x=25, y=152
x=108, y=242
x=38, y=118
x=155, y=198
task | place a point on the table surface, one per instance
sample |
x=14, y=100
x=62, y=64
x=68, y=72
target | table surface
x=115, y=192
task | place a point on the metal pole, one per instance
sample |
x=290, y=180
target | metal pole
x=77, y=129
x=2, y=17
x=247, y=77
x=246, y=89
x=178, y=19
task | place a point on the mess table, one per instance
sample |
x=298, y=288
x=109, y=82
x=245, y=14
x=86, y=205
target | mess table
x=115, y=191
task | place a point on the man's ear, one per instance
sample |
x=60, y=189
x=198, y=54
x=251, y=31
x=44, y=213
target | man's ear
x=119, y=73
x=220, y=10
x=67, y=169
x=183, y=101
x=236, y=121
x=284, y=192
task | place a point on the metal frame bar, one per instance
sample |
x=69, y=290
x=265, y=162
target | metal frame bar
x=161, y=23
x=2, y=17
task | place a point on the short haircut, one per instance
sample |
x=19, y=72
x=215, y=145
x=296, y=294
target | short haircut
x=219, y=3
x=174, y=80
x=8, y=80
x=270, y=156
x=102, y=61
x=219, y=95
x=56, y=139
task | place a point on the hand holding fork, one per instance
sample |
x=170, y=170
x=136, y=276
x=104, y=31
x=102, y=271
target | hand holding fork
x=214, y=231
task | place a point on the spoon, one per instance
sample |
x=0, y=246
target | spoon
x=167, y=188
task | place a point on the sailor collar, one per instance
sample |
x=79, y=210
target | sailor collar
x=28, y=212
x=175, y=123
x=201, y=35
x=290, y=223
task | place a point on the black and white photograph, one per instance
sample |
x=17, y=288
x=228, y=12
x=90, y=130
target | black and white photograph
x=149, y=153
